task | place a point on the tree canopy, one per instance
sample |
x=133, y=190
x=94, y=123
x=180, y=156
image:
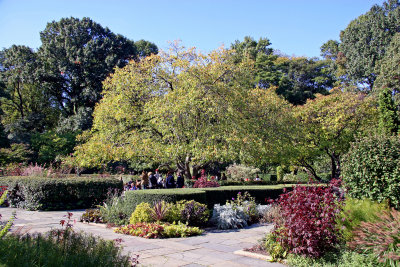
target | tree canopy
x=76, y=56
x=183, y=108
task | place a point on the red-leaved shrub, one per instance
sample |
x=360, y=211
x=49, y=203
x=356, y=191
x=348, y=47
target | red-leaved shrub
x=202, y=182
x=308, y=227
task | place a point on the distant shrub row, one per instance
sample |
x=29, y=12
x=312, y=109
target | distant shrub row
x=39, y=193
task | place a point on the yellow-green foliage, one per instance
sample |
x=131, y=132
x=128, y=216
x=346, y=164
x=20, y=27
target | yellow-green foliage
x=356, y=211
x=180, y=230
x=3, y=197
x=142, y=213
x=174, y=212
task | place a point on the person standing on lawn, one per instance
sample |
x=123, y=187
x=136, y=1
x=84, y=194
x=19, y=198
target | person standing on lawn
x=170, y=182
x=180, y=182
x=145, y=180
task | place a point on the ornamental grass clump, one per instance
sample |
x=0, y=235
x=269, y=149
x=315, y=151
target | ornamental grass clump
x=309, y=227
x=381, y=238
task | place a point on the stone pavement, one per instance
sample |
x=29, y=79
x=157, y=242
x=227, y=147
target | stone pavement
x=214, y=248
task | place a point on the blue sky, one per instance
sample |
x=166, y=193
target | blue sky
x=295, y=27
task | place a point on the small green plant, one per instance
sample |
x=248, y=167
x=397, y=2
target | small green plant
x=114, y=210
x=5, y=228
x=142, y=214
x=180, y=230
x=92, y=215
x=274, y=248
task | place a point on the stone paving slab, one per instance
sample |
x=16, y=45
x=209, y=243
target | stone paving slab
x=213, y=248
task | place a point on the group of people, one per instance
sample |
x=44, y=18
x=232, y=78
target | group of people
x=156, y=181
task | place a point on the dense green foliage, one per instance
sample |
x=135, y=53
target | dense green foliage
x=366, y=39
x=40, y=193
x=60, y=248
x=389, y=120
x=372, y=169
x=356, y=211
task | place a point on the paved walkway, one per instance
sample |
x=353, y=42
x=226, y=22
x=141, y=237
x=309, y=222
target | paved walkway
x=214, y=248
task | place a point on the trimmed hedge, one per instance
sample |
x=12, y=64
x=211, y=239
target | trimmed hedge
x=135, y=197
x=209, y=196
x=39, y=193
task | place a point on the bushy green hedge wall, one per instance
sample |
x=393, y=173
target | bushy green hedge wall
x=209, y=196
x=169, y=195
x=39, y=193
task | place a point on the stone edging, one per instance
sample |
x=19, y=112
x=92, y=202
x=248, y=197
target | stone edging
x=253, y=255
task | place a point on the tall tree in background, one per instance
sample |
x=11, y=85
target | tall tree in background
x=365, y=40
x=259, y=51
x=389, y=75
x=303, y=78
x=76, y=56
x=296, y=79
x=25, y=104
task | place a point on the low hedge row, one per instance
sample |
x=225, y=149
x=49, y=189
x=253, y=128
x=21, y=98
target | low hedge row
x=209, y=196
x=39, y=193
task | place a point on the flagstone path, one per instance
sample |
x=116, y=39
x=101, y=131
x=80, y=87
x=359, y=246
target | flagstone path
x=214, y=248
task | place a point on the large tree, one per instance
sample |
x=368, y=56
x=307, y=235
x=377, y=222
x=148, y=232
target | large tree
x=24, y=102
x=302, y=78
x=366, y=39
x=296, y=79
x=77, y=55
x=327, y=126
x=181, y=108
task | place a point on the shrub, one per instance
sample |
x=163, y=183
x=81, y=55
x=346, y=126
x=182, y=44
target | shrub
x=142, y=214
x=203, y=183
x=60, y=248
x=115, y=210
x=381, y=238
x=34, y=170
x=309, y=226
x=371, y=169
x=229, y=217
x=180, y=230
x=238, y=172
x=92, y=215
x=160, y=210
x=39, y=193
x=247, y=203
x=146, y=230
x=279, y=173
x=193, y=213
x=356, y=211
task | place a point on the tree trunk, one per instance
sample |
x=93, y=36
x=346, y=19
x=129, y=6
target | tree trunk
x=310, y=169
x=335, y=165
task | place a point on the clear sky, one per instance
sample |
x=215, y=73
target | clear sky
x=295, y=27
